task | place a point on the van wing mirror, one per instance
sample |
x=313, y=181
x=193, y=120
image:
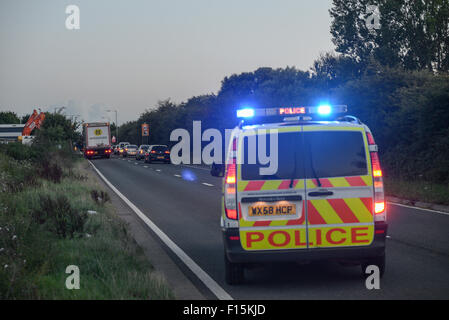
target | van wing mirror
x=217, y=170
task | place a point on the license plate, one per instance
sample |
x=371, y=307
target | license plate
x=276, y=209
x=160, y=157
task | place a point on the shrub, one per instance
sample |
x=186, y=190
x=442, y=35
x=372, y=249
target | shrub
x=50, y=171
x=100, y=197
x=59, y=217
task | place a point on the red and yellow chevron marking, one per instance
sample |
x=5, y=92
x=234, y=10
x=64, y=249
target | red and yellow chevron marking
x=272, y=223
x=338, y=211
x=357, y=181
x=341, y=182
x=267, y=185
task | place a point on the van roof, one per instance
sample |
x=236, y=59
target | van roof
x=304, y=123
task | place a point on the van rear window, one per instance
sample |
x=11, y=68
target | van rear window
x=290, y=158
x=335, y=154
x=320, y=154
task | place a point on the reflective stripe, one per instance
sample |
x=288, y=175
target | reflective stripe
x=339, y=211
x=267, y=185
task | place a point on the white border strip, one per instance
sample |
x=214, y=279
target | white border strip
x=210, y=283
x=418, y=208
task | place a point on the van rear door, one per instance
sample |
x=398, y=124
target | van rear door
x=271, y=207
x=339, y=187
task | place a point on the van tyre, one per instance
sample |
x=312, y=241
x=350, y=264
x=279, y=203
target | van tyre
x=377, y=261
x=234, y=272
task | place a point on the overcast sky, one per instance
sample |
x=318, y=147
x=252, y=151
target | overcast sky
x=128, y=54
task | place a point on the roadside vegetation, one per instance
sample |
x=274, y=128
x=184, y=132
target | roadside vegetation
x=54, y=214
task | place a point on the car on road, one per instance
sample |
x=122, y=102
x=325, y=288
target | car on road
x=323, y=199
x=130, y=150
x=157, y=153
x=121, y=147
x=141, y=151
x=116, y=149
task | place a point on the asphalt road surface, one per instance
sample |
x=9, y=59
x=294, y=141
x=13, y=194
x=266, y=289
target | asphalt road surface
x=184, y=202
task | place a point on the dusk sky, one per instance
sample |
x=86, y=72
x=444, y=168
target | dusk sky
x=127, y=55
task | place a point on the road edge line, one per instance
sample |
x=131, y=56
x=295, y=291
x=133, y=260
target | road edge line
x=418, y=208
x=210, y=283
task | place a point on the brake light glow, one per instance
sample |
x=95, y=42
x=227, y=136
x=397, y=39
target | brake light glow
x=231, y=213
x=230, y=196
x=167, y=152
x=152, y=151
x=379, y=197
x=230, y=175
x=377, y=173
x=379, y=207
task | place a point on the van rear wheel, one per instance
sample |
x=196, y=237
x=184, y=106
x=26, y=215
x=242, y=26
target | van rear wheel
x=234, y=272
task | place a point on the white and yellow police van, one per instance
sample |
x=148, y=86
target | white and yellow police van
x=324, y=201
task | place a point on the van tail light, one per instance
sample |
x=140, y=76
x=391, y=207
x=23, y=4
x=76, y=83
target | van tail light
x=379, y=196
x=167, y=152
x=230, y=195
x=153, y=151
x=370, y=138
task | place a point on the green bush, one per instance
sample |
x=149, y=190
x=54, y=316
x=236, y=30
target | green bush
x=19, y=151
x=59, y=217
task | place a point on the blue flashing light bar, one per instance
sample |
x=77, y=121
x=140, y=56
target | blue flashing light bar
x=321, y=110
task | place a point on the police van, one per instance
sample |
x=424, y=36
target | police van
x=324, y=201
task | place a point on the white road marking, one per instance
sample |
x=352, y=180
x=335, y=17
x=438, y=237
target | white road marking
x=158, y=170
x=418, y=208
x=388, y=237
x=145, y=166
x=194, y=167
x=208, y=184
x=210, y=283
x=177, y=175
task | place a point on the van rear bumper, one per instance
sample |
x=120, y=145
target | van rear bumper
x=237, y=254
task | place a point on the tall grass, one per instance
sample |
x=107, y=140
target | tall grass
x=44, y=227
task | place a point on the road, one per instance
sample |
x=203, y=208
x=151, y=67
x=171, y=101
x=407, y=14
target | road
x=184, y=202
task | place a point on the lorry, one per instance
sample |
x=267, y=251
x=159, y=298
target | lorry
x=97, y=140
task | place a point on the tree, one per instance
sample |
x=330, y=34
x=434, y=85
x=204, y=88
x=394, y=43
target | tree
x=413, y=34
x=9, y=117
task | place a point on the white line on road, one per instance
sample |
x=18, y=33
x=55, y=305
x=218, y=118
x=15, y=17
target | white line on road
x=145, y=166
x=418, y=208
x=208, y=184
x=177, y=175
x=210, y=283
x=158, y=170
x=194, y=167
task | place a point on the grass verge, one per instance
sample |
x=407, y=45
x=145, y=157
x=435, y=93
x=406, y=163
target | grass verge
x=45, y=227
x=417, y=191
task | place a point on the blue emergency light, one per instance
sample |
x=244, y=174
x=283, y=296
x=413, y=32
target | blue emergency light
x=245, y=113
x=324, y=110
